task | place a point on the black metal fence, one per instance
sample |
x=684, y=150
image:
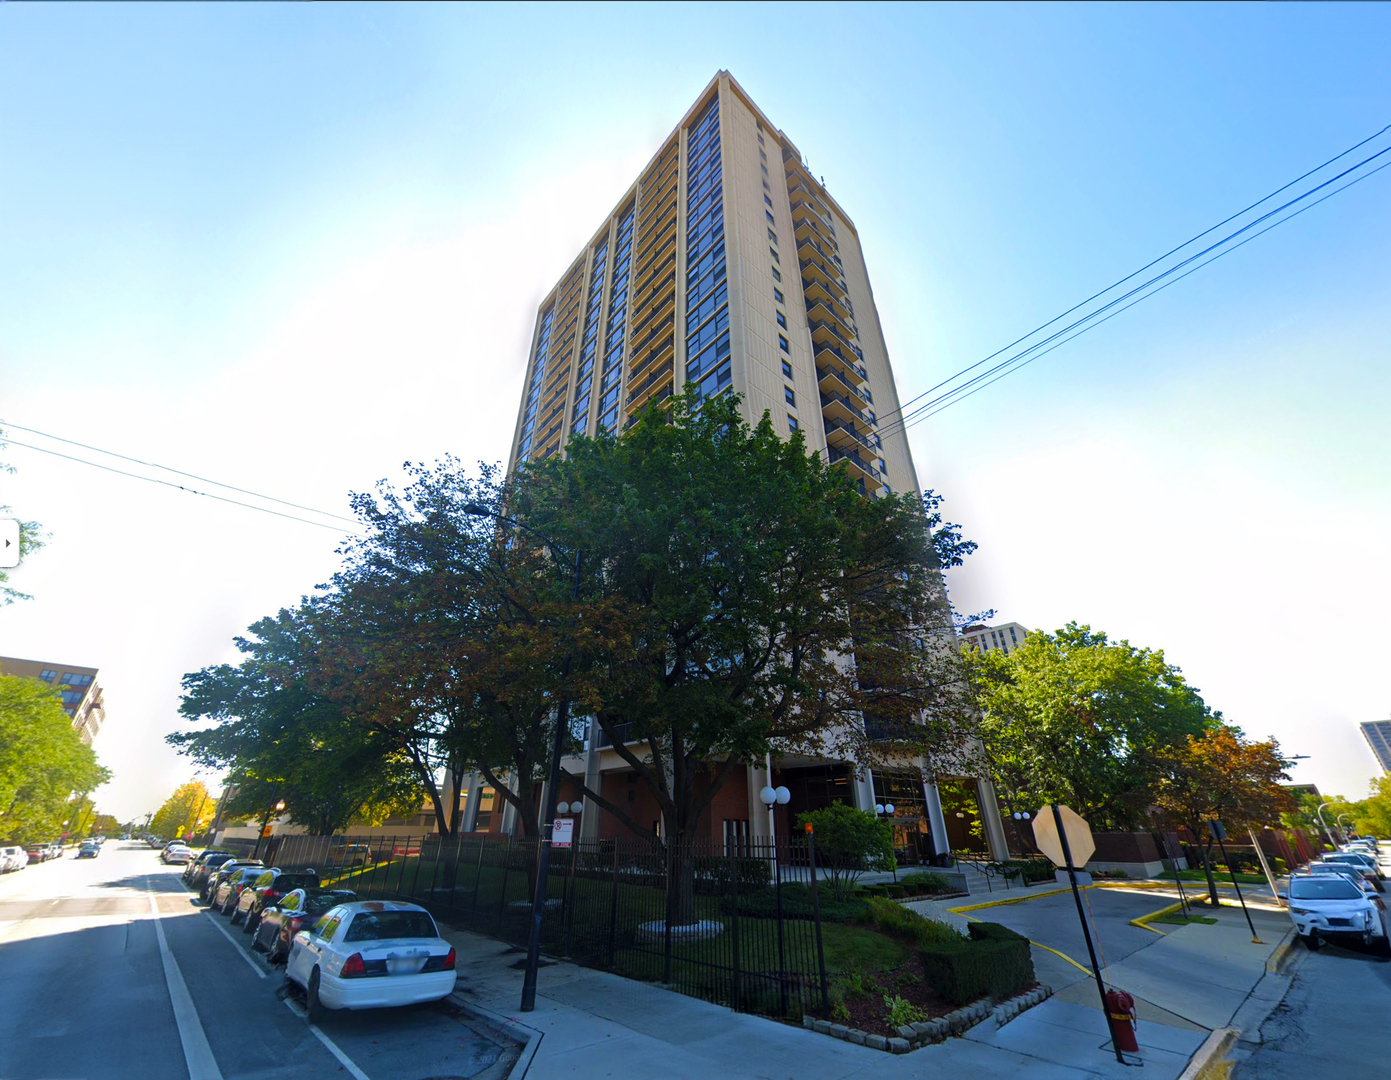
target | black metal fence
x=738, y=924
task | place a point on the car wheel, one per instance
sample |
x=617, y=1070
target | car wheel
x=1312, y=941
x=238, y=916
x=249, y=923
x=313, y=1006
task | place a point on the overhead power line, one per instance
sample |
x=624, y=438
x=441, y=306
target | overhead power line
x=183, y=487
x=909, y=416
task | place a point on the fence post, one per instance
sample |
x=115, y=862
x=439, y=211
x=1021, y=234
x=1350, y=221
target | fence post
x=734, y=924
x=816, y=916
x=613, y=909
x=666, y=924
x=506, y=873
x=570, y=893
x=782, y=958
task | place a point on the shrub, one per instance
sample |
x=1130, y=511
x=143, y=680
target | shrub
x=849, y=842
x=926, y=882
x=902, y=1012
x=797, y=904
x=897, y=921
x=994, y=960
x=895, y=892
x=1026, y=870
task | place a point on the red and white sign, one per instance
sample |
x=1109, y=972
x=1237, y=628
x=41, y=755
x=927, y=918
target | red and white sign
x=562, y=832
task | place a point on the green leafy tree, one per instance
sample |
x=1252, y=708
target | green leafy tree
x=1221, y=775
x=751, y=600
x=43, y=762
x=1074, y=717
x=849, y=842
x=283, y=741
x=1372, y=816
x=31, y=539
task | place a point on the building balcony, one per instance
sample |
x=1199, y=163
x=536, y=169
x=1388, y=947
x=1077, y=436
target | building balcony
x=856, y=464
x=849, y=395
x=845, y=434
x=839, y=406
x=837, y=356
x=651, y=385
x=826, y=313
x=815, y=268
x=806, y=225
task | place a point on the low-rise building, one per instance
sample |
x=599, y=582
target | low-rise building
x=76, y=685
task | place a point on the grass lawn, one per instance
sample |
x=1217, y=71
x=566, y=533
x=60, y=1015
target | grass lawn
x=1221, y=876
x=860, y=948
x=1178, y=918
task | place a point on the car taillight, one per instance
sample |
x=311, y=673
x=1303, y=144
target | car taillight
x=271, y=894
x=353, y=967
x=449, y=960
x=440, y=963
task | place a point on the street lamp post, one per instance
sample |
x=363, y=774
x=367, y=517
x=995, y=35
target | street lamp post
x=882, y=811
x=562, y=720
x=1330, y=833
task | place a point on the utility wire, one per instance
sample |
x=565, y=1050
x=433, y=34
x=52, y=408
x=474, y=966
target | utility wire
x=178, y=472
x=178, y=487
x=946, y=404
x=1012, y=363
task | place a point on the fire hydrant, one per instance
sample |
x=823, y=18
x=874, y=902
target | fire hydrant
x=1121, y=1007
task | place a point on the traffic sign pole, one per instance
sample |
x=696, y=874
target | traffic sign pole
x=1086, y=930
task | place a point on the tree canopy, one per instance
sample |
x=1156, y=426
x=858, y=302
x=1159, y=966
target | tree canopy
x=43, y=761
x=31, y=538
x=187, y=811
x=1074, y=717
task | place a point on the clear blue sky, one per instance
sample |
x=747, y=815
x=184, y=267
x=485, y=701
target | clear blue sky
x=291, y=246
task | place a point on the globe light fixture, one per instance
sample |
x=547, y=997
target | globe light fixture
x=562, y=808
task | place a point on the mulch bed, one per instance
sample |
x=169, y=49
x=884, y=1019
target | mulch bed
x=868, y=1011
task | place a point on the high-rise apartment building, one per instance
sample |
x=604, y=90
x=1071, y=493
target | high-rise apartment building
x=77, y=687
x=728, y=266
x=1378, y=736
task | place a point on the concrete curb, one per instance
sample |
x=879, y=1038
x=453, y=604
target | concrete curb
x=1280, y=957
x=1143, y=922
x=1210, y=1062
x=528, y=1038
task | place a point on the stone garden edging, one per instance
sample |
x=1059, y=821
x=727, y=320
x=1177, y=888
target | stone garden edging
x=915, y=1036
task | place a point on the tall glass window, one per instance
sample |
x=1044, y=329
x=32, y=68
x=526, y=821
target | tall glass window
x=707, y=297
x=611, y=386
x=584, y=378
x=538, y=378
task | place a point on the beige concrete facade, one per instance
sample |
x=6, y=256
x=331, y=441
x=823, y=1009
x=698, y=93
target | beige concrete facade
x=81, y=693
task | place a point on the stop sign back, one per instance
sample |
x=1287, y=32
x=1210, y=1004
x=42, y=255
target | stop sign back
x=1079, y=836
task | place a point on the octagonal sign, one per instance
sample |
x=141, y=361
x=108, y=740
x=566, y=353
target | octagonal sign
x=1079, y=836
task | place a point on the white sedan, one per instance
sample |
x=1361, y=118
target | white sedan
x=371, y=954
x=177, y=853
x=1330, y=906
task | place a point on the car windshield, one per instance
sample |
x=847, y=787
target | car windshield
x=286, y=882
x=380, y=925
x=1326, y=887
x=316, y=902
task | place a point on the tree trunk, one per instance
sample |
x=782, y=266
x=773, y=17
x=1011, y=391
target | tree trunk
x=681, y=866
x=1204, y=850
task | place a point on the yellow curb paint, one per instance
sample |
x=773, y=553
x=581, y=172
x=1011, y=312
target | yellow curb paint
x=1143, y=921
x=1045, y=948
x=1122, y=886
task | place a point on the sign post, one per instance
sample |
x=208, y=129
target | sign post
x=1219, y=832
x=1057, y=830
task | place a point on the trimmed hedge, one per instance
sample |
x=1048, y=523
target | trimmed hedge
x=994, y=961
x=900, y=922
x=797, y=904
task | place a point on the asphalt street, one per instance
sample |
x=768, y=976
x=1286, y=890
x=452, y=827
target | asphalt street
x=1331, y=1021
x=110, y=970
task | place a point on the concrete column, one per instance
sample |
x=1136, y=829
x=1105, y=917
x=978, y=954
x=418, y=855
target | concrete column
x=589, y=820
x=936, y=819
x=990, y=819
x=758, y=813
x=473, y=786
x=509, y=812
x=862, y=784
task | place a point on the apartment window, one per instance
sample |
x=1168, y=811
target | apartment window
x=777, y=295
x=791, y=423
x=776, y=276
x=762, y=154
x=75, y=680
x=766, y=187
x=768, y=200
x=772, y=236
x=47, y=674
x=789, y=396
x=774, y=252
x=782, y=320
x=782, y=344
x=768, y=214
x=786, y=370
x=764, y=168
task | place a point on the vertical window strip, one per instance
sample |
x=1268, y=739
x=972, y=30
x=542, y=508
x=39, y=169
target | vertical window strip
x=610, y=387
x=707, y=301
x=538, y=378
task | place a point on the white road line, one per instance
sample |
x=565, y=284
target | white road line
x=240, y=951
x=332, y=1047
x=197, y=1053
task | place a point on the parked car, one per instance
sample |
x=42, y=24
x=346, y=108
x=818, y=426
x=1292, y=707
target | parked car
x=282, y=920
x=1365, y=862
x=39, y=853
x=196, y=872
x=1324, y=906
x=214, y=880
x=224, y=899
x=266, y=890
x=13, y=858
x=371, y=954
x=177, y=853
x=88, y=849
x=1355, y=874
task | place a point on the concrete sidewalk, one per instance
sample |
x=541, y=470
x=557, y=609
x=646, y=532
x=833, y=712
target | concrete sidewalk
x=593, y=1024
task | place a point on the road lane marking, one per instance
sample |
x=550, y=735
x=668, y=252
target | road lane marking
x=240, y=951
x=332, y=1047
x=198, y=1055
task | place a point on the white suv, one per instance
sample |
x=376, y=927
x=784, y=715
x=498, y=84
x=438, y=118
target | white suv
x=1330, y=906
x=13, y=858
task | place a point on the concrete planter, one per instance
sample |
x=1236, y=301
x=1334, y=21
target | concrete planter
x=926, y=1032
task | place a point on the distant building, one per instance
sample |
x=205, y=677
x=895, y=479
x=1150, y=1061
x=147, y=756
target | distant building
x=1300, y=790
x=1007, y=637
x=78, y=687
x=1378, y=735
